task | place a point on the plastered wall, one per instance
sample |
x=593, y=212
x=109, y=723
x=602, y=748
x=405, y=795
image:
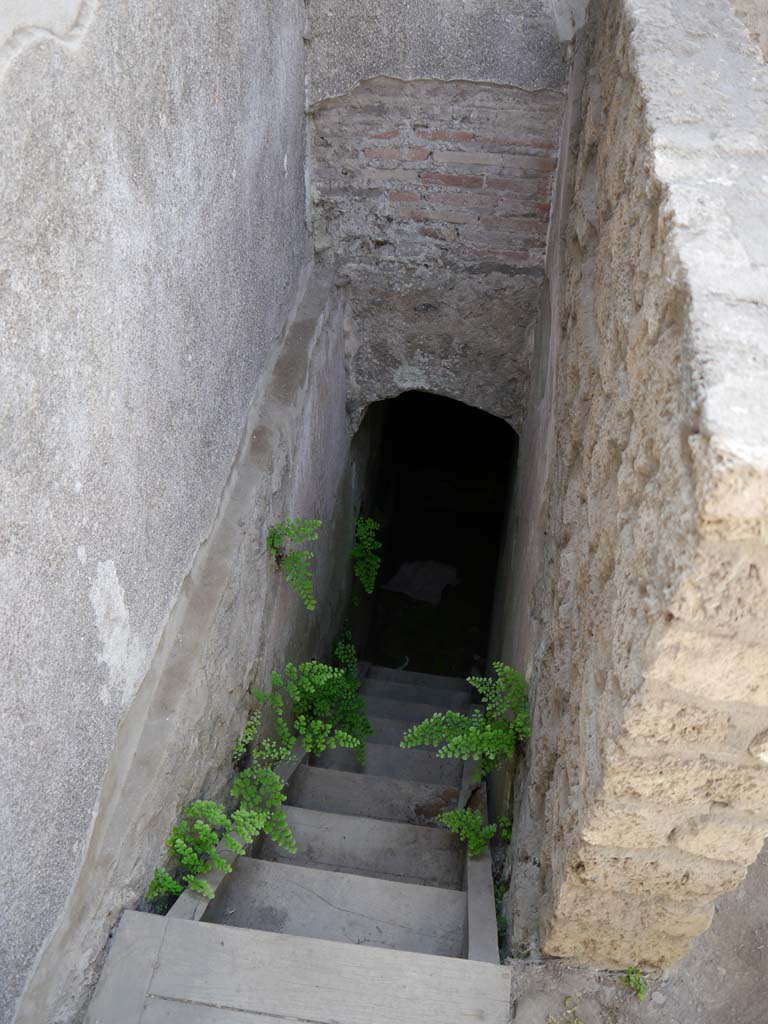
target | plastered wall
x=638, y=595
x=152, y=235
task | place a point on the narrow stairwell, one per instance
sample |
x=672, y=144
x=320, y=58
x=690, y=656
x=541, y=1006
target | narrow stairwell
x=377, y=917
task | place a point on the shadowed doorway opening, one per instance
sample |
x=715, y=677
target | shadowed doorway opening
x=441, y=490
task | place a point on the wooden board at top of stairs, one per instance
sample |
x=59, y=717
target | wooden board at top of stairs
x=211, y=970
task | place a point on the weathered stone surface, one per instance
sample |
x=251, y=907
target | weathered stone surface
x=754, y=15
x=664, y=874
x=640, y=563
x=721, y=836
x=486, y=40
x=459, y=337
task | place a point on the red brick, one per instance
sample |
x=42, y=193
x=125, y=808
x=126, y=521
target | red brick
x=525, y=186
x=514, y=162
x=445, y=136
x=542, y=208
x=394, y=134
x=404, y=197
x=469, y=156
x=382, y=153
x=455, y=180
x=521, y=225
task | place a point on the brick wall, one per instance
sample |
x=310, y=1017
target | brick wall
x=452, y=172
x=433, y=199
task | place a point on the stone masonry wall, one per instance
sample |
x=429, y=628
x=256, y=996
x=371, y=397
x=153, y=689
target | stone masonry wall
x=433, y=200
x=641, y=562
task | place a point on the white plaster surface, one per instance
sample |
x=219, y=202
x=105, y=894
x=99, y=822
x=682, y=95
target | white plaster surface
x=24, y=22
x=152, y=234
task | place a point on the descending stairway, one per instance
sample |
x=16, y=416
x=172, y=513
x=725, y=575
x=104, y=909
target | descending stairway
x=377, y=917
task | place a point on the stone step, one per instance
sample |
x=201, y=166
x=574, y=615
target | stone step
x=364, y=846
x=395, y=675
x=370, y=796
x=389, y=690
x=387, y=730
x=406, y=710
x=296, y=900
x=187, y=972
x=418, y=765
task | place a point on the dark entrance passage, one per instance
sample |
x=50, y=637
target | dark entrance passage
x=442, y=488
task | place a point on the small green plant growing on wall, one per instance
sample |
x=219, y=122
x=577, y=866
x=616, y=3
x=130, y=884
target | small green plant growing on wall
x=283, y=542
x=505, y=828
x=470, y=827
x=240, y=749
x=365, y=561
x=163, y=889
x=487, y=735
x=634, y=979
x=346, y=654
x=192, y=847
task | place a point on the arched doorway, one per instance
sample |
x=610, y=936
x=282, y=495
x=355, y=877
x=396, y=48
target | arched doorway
x=441, y=489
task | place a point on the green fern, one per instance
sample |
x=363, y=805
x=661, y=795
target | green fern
x=505, y=828
x=470, y=827
x=260, y=793
x=328, y=711
x=192, y=846
x=487, y=735
x=365, y=561
x=240, y=749
x=163, y=889
x=346, y=654
x=294, y=562
x=634, y=979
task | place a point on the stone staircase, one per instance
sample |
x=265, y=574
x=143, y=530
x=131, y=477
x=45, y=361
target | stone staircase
x=377, y=917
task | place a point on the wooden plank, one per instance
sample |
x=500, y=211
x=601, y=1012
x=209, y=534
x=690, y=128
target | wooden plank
x=454, y=683
x=370, y=796
x=394, y=763
x=191, y=906
x=172, y=1011
x=382, y=849
x=273, y=896
x=125, y=977
x=319, y=981
x=482, y=932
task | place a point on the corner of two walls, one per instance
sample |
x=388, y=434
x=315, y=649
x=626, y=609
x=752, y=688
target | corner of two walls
x=234, y=622
x=161, y=417
x=638, y=579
